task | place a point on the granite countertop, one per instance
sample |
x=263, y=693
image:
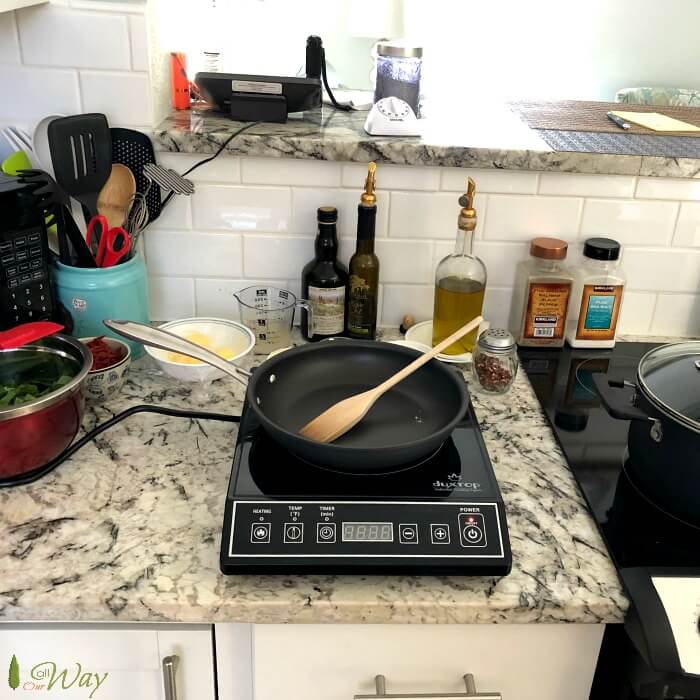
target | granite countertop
x=130, y=529
x=480, y=136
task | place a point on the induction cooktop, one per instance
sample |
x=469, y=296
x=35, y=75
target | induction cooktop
x=443, y=515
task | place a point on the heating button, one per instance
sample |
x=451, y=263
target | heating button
x=260, y=533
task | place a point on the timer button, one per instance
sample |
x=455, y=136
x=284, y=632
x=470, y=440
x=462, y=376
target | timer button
x=293, y=533
x=325, y=533
x=260, y=533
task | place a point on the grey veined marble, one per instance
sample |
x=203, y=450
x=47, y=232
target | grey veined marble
x=480, y=138
x=130, y=528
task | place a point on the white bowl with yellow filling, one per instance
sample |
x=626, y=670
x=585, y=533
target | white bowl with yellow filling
x=229, y=339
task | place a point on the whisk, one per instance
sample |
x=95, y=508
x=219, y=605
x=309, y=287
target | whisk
x=137, y=218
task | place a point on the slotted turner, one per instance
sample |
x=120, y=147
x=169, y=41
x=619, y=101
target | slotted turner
x=81, y=153
x=344, y=415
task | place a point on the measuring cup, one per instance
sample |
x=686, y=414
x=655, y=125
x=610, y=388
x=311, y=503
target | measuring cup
x=269, y=313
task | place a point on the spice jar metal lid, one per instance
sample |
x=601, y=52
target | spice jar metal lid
x=548, y=248
x=496, y=340
x=398, y=49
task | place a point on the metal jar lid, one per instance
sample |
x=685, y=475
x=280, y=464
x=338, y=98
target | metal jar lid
x=398, y=49
x=548, y=248
x=496, y=340
x=669, y=377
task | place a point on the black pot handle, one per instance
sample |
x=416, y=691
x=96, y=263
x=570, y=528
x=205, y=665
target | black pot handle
x=613, y=404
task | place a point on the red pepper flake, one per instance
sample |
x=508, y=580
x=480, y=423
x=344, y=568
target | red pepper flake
x=103, y=355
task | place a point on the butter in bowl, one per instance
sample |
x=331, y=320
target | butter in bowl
x=229, y=339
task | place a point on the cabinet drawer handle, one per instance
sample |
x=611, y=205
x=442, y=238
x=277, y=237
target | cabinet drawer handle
x=380, y=683
x=170, y=664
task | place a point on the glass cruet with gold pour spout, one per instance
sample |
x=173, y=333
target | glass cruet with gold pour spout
x=460, y=282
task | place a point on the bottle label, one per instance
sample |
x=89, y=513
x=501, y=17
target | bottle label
x=328, y=310
x=545, y=317
x=600, y=308
x=362, y=309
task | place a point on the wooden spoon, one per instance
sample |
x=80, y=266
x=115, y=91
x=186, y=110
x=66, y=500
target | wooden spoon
x=339, y=418
x=115, y=198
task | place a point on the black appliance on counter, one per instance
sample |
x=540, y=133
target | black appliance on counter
x=25, y=292
x=443, y=515
x=656, y=654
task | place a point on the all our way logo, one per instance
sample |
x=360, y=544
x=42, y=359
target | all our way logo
x=49, y=677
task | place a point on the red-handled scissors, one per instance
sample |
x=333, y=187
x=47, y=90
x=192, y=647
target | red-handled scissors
x=108, y=245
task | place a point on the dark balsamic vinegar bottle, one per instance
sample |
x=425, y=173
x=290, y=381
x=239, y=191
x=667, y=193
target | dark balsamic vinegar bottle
x=324, y=281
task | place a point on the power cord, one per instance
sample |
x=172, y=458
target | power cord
x=334, y=102
x=89, y=437
x=211, y=158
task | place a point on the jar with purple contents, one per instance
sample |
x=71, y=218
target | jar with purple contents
x=398, y=72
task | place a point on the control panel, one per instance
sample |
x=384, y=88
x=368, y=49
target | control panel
x=279, y=530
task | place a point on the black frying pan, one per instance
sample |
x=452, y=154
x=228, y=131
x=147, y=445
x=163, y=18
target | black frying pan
x=406, y=424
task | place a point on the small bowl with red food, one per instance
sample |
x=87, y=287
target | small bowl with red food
x=110, y=360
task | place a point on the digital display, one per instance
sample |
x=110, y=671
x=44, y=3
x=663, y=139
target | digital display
x=368, y=532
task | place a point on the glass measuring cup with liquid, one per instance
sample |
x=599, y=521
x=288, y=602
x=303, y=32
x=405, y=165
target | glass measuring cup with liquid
x=269, y=313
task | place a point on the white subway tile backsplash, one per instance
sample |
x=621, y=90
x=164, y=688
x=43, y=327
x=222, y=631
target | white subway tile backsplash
x=637, y=311
x=677, y=314
x=171, y=297
x=429, y=215
x=306, y=200
x=667, y=188
x=662, y=269
x=225, y=169
x=176, y=214
x=265, y=209
x=405, y=261
x=32, y=93
x=587, y=185
x=392, y=177
x=9, y=46
x=290, y=171
x=57, y=36
x=214, y=297
x=194, y=253
x=402, y=299
x=688, y=226
x=275, y=257
x=630, y=222
x=139, y=42
x=513, y=218
x=497, y=303
x=495, y=181
x=501, y=260
x=125, y=98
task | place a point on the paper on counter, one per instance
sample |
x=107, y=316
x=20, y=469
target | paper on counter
x=681, y=600
x=656, y=121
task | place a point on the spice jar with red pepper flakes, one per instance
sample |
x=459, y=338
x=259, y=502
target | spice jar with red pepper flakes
x=495, y=360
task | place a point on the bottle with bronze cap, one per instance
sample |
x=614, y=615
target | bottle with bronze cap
x=541, y=296
x=364, y=266
x=460, y=282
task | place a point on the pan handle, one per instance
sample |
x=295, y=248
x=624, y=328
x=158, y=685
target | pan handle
x=611, y=401
x=164, y=340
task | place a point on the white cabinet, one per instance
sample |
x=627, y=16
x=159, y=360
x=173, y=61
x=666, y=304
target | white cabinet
x=108, y=662
x=8, y=5
x=336, y=662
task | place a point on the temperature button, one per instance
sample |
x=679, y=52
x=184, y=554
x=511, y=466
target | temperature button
x=325, y=533
x=260, y=533
x=293, y=533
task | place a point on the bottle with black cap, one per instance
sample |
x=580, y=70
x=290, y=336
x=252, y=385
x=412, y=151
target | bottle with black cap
x=324, y=281
x=596, y=300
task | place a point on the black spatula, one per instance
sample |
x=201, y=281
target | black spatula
x=81, y=153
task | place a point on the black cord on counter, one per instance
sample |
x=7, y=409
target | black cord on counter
x=331, y=96
x=211, y=158
x=32, y=476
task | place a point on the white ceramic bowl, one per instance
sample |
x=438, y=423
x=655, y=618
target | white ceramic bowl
x=221, y=332
x=104, y=384
x=423, y=333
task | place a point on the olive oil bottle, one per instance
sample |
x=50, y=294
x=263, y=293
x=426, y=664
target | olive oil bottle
x=364, y=267
x=460, y=282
